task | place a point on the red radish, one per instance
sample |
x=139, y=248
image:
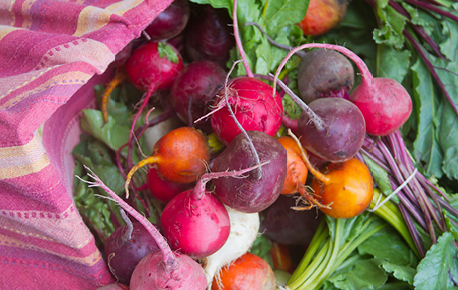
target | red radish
x=181, y=156
x=164, y=190
x=384, y=103
x=261, y=187
x=170, y=22
x=125, y=247
x=249, y=99
x=322, y=16
x=115, y=286
x=151, y=273
x=195, y=90
x=154, y=66
x=195, y=222
x=168, y=270
x=253, y=105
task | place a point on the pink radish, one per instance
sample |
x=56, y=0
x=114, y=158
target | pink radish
x=251, y=100
x=168, y=270
x=195, y=222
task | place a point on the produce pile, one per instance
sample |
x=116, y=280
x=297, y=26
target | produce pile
x=254, y=145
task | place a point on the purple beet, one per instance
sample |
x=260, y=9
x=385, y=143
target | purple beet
x=170, y=22
x=195, y=90
x=288, y=226
x=260, y=188
x=209, y=36
x=124, y=249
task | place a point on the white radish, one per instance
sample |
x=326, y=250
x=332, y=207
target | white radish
x=244, y=230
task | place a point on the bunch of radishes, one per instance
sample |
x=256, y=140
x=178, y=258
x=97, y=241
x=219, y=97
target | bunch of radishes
x=210, y=220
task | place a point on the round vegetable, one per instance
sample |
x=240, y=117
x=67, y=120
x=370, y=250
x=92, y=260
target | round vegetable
x=253, y=105
x=346, y=187
x=296, y=173
x=322, y=16
x=170, y=22
x=324, y=73
x=342, y=134
x=247, y=272
x=260, y=188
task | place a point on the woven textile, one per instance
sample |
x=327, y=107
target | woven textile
x=52, y=53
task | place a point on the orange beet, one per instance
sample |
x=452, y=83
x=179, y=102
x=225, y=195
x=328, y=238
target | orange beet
x=247, y=272
x=182, y=155
x=348, y=189
x=297, y=171
x=322, y=16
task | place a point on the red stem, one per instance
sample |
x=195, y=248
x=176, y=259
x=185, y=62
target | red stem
x=239, y=42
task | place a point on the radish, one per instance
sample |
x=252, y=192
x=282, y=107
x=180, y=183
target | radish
x=163, y=269
x=125, y=247
x=249, y=99
x=154, y=66
x=195, y=90
x=385, y=104
x=162, y=189
x=115, y=286
x=195, y=222
x=261, y=187
x=244, y=231
x=170, y=22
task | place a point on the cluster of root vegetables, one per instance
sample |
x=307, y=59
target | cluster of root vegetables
x=213, y=198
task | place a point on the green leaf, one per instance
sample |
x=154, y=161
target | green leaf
x=365, y=274
x=439, y=268
x=389, y=246
x=165, y=50
x=392, y=63
x=381, y=178
x=426, y=148
x=448, y=138
x=400, y=272
x=392, y=25
x=110, y=133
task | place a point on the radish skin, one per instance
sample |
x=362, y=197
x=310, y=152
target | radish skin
x=244, y=230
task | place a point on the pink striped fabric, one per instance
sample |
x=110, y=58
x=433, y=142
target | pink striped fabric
x=52, y=53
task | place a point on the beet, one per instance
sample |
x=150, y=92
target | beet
x=195, y=90
x=124, y=251
x=342, y=134
x=288, y=226
x=170, y=22
x=324, y=73
x=251, y=194
x=209, y=36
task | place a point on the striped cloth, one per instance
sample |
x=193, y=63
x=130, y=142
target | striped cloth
x=52, y=53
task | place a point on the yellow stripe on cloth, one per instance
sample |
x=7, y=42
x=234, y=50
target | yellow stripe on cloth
x=89, y=260
x=122, y=7
x=90, y=19
x=22, y=160
x=68, y=78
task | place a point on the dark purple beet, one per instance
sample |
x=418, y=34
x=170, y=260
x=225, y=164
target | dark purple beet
x=209, y=36
x=170, y=22
x=195, y=90
x=288, y=226
x=324, y=73
x=250, y=194
x=128, y=251
x=343, y=129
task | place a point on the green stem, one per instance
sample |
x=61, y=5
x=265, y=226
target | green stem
x=321, y=234
x=391, y=214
